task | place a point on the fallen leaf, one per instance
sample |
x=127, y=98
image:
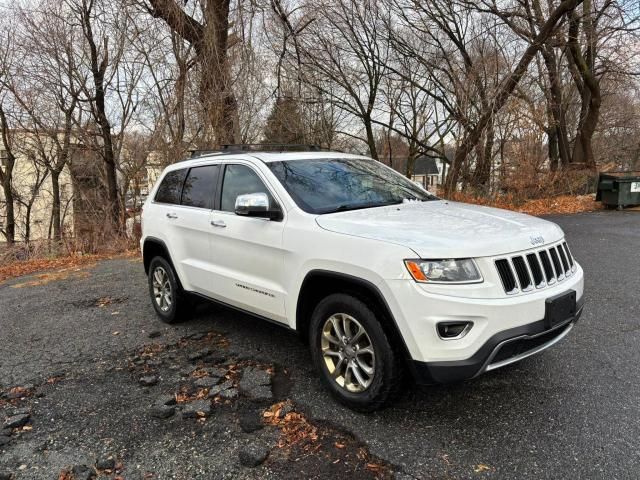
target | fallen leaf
x=481, y=467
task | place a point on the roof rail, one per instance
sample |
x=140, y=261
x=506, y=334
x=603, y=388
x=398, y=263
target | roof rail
x=200, y=153
x=260, y=147
x=272, y=147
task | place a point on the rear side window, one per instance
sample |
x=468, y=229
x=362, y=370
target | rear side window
x=240, y=180
x=170, y=189
x=199, y=187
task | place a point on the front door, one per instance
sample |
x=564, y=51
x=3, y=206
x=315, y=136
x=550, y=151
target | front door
x=246, y=252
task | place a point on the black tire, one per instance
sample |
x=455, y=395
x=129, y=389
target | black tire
x=180, y=306
x=388, y=375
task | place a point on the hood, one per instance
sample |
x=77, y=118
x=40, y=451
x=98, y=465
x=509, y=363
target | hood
x=444, y=229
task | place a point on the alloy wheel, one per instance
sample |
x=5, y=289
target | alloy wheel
x=162, y=289
x=348, y=352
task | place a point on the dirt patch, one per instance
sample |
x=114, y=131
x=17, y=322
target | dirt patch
x=318, y=449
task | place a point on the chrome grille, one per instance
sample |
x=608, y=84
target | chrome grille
x=535, y=269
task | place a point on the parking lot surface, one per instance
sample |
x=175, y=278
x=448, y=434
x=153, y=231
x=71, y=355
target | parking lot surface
x=75, y=350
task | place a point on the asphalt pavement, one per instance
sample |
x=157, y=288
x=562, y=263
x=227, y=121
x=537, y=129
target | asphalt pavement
x=571, y=412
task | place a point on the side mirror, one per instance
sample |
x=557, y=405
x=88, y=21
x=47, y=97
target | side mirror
x=257, y=205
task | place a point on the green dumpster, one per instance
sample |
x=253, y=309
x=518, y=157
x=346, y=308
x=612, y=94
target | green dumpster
x=619, y=189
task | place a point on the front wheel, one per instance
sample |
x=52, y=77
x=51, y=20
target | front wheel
x=168, y=299
x=352, y=353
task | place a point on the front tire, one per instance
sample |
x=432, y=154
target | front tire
x=353, y=355
x=167, y=297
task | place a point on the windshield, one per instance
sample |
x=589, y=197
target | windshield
x=339, y=184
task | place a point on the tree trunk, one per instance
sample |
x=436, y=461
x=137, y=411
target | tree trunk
x=55, y=207
x=6, y=178
x=557, y=118
x=371, y=139
x=27, y=226
x=210, y=41
x=583, y=147
x=10, y=228
x=587, y=84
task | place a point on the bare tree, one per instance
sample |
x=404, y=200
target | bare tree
x=208, y=33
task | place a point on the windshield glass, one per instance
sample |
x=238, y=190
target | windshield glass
x=339, y=184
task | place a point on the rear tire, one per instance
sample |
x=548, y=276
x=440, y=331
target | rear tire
x=362, y=369
x=167, y=297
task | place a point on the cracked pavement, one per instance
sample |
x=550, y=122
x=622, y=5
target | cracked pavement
x=571, y=412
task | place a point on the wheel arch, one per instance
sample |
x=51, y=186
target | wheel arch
x=154, y=247
x=318, y=284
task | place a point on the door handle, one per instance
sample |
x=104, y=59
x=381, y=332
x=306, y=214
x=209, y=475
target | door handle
x=218, y=223
x=172, y=215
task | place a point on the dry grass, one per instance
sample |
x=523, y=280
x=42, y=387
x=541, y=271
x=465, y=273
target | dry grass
x=63, y=266
x=563, y=204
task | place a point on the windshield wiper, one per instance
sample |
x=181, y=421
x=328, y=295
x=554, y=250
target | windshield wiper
x=360, y=206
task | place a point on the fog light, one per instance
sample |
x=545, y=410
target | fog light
x=453, y=330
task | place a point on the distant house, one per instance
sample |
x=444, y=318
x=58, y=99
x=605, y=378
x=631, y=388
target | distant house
x=32, y=191
x=427, y=171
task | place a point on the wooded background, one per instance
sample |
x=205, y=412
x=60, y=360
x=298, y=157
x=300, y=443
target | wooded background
x=525, y=97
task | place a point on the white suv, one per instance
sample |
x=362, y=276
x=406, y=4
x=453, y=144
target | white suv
x=381, y=277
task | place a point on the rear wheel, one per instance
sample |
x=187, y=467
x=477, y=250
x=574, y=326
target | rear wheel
x=352, y=353
x=169, y=300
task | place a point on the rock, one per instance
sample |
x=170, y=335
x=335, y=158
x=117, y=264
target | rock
x=17, y=421
x=195, y=356
x=6, y=431
x=154, y=363
x=166, y=400
x=215, y=359
x=206, y=382
x=108, y=463
x=250, y=422
x=197, y=409
x=217, y=389
x=155, y=334
x=255, y=383
x=163, y=411
x=4, y=440
x=253, y=377
x=261, y=394
x=6, y=476
x=148, y=381
x=188, y=371
x=215, y=371
x=197, y=336
x=229, y=394
x=82, y=472
x=253, y=455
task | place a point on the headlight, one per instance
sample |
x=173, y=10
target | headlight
x=462, y=270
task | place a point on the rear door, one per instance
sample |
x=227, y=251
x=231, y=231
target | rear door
x=193, y=227
x=246, y=252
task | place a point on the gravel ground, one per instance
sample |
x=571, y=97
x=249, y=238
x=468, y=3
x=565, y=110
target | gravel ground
x=82, y=346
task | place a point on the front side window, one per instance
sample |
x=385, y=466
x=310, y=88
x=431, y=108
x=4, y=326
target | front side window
x=339, y=184
x=199, y=187
x=171, y=187
x=240, y=180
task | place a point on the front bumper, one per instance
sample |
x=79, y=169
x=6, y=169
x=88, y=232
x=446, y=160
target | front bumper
x=503, y=348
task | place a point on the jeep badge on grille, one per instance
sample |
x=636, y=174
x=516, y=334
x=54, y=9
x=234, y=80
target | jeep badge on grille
x=537, y=240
